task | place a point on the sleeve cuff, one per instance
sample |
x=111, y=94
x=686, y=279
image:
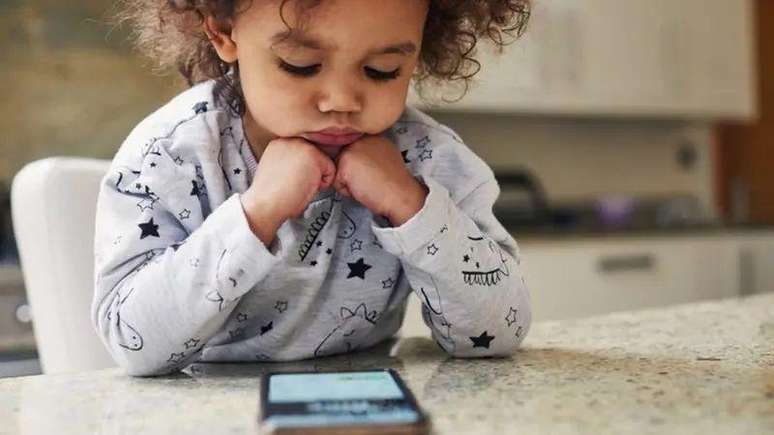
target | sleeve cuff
x=249, y=260
x=422, y=227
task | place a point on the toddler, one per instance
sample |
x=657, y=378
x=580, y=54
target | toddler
x=286, y=205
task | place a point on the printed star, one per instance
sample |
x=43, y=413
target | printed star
x=281, y=306
x=319, y=243
x=329, y=251
x=421, y=143
x=426, y=155
x=241, y=317
x=237, y=332
x=237, y=171
x=511, y=317
x=138, y=186
x=444, y=229
x=195, y=262
x=267, y=328
x=405, y=156
x=358, y=269
x=149, y=229
x=153, y=164
x=178, y=160
x=313, y=263
x=478, y=265
x=192, y=343
x=117, y=240
x=176, y=357
x=466, y=258
x=200, y=107
x=356, y=245
x=388, y=283
x=519, y=330
x=195, y=190
x=432, y=249
x=185, y=214
x=482, y=340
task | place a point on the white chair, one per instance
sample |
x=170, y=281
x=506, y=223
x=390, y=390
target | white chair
x=53, y=203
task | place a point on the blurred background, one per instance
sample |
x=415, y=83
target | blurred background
x=632, y=141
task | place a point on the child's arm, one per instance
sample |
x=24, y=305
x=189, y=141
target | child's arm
x=465, y=268
x=166, y=278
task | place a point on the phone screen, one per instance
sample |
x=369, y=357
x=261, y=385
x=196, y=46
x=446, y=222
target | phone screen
x=306, y=400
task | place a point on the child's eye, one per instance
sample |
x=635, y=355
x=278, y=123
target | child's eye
x=382, y=75
x=304, y=71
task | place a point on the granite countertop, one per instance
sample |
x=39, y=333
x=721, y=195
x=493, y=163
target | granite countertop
x=699, y=368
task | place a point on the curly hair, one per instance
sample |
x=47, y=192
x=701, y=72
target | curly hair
x=170, y=32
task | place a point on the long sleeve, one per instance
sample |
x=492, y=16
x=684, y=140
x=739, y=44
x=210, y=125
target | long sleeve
x=166, y=275
x=465, y=268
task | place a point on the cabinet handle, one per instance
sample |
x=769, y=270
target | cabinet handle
x=625, y=263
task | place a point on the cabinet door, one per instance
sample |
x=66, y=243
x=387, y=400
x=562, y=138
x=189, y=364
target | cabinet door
x=756, y=263
x=580, y=279
x=690, y=58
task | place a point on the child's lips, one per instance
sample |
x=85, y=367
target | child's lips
x=329, y=139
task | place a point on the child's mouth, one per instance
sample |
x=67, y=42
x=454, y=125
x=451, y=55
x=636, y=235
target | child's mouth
x=327, y=139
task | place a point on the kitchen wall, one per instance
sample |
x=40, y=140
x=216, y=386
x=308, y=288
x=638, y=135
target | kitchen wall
x=577, y=158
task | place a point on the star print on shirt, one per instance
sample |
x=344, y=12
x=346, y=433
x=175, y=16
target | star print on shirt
x=238, y=332
x=421, y=143
x=444, y=229
x=319, y=243
x=241, y=317
x=200, y=107
x=185, y=214
x=194, y=262
x=281, y=306
x=146, y=204
x=466, y=258
x=149, y=229
x=426, y=155
x=313, y=263
x=195, y=191
x=482, y=340
x=192, y=343
x=176, y=357
x=267, y=328
x=178, y=160
x=432, y=249
x=329, y=251
x=237, y=171
x=511, y=317
x=388, y=283
x=153, y=164
x=358, y=269
x=356, y=245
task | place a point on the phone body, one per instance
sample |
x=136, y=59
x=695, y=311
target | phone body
x=339, y=402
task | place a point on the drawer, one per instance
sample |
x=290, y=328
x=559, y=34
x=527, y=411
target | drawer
x=589, y=278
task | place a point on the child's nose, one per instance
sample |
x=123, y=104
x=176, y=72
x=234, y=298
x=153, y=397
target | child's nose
x=340, y=96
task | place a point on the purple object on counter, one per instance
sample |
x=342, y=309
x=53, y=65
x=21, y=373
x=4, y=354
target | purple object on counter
x=615, y=211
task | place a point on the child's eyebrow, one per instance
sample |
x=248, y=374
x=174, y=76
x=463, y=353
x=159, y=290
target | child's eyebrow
x=295, y=38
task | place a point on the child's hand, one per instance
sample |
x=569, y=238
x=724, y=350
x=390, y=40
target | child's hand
x=291, y=171
x=372, y=172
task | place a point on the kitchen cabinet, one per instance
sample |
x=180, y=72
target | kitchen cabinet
x=585, y=276
x=652, y=58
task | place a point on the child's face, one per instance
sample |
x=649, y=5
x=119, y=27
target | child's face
x=349, y=66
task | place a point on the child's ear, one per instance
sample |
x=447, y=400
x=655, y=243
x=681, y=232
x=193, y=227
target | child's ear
x=221, y=39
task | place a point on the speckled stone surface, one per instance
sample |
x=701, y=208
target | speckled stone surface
x=693, y=369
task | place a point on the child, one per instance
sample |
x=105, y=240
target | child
x=286, y=205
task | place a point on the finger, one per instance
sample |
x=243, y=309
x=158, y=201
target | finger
x=328, y=172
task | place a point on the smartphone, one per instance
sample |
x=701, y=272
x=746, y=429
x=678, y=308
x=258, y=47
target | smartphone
x=342, y=402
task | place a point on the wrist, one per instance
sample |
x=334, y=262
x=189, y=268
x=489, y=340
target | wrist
x=408, y=204
x=263, y=220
